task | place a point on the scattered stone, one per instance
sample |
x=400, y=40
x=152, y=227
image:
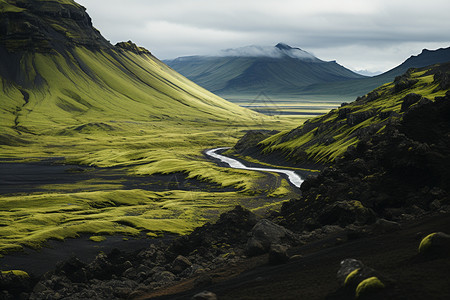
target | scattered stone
x=346, y=212
x=73, y=268
x=180, y=264
x=296, y=257
x=264, y=234
x=435, y=205
x=164, y=277
x=39, y=288
x=278, y=255
x=348, y=266
x=385, y=226
x=359, y=280
x=254, y=247
x=435, y=244
x=205, y=295
x=203, y=281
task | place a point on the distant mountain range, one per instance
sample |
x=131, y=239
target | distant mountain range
x=254, y=69
x=359, y=87
x=284, y=70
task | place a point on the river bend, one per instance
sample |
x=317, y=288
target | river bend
x=293, y=177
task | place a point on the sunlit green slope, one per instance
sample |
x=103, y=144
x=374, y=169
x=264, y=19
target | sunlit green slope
x=82, y=86
x=325, y=138
x=54, y=79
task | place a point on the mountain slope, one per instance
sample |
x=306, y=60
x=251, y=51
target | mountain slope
x=362, y=86
x=326, y=138
x=252, y=70
x=56, y=69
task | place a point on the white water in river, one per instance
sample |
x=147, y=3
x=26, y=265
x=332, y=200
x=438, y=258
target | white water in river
x=292, y=176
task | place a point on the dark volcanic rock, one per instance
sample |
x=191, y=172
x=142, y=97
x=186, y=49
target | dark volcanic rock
x=278, y=254
x=346, y=212
x=385, y=226
x=404, y=82
x=359, y=117
x=265, y=234
x=409, y=100
x=231, y=228
x=74, y=269
x=180, y=264
x=395, y=170
x=130, y=46
x=248, y=144
x=46, y=25
x=205, y=295
x=13, y=284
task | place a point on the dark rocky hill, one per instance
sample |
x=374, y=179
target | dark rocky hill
x=44, y=26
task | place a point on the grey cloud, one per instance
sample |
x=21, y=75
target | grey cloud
x=383, y=28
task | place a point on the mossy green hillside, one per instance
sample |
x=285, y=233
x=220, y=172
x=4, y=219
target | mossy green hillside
x=325, y=138
x=68, y=93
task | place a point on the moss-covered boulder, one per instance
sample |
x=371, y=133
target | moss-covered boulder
x=369, y=287
x=13, y=283
x=435, y=244
x=360, y=281
x=346, y=212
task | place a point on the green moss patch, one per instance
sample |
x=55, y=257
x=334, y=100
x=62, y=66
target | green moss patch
x=97, y=238
x=17, y=273
x=426, y=243
x=368, y=287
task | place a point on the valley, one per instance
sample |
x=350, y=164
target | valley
x=258, y=173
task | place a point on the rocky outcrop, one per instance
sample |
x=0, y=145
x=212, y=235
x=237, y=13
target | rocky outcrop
x=231, y=228
x=130, y=46
x=404, y=82
x=266, y=234
x=248, y=144
x=395, y=175
x=45, y=26
x=14, y=284
x=360, y=116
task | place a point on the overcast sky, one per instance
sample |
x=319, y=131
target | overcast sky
x=373, y=35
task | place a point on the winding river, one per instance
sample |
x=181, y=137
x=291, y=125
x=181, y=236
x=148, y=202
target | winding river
x=295, y=179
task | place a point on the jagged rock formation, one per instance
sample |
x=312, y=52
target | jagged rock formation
x=44, y=26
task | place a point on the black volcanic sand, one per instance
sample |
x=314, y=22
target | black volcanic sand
x=26, y=178
x=313, y=276
x=32, y=177
x=38, y=262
